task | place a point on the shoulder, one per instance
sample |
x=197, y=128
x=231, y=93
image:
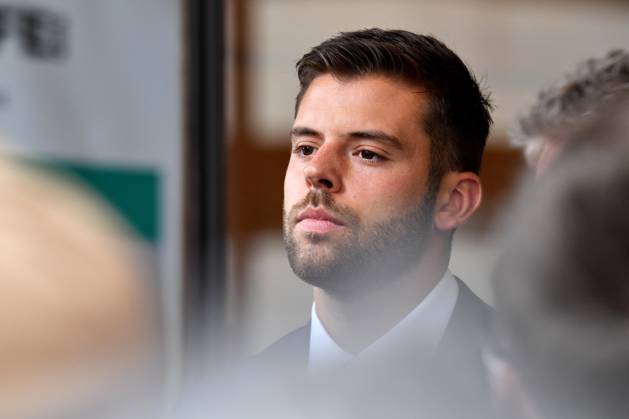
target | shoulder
x=258, y=386
x=290, y=350
x=470, y=324
x=472, y=308
x=460, y=356
x=270, y=368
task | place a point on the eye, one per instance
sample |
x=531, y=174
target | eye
x=369, y=155
x=304, y=150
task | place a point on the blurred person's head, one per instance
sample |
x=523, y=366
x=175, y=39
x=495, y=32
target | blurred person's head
x=577, y=96
x=387, y=142
x=561, y=287
x=76, y=320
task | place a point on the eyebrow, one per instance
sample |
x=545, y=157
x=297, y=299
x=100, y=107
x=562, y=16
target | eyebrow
x=357, y=135
x=304, y=132
x=377, y=136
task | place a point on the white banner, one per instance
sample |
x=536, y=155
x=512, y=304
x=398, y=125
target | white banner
x=97, y=87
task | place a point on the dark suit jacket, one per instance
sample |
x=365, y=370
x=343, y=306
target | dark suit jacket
x=453, y=384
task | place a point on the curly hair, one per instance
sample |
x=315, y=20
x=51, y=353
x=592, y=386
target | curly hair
x=576, y=96
x=564, y=302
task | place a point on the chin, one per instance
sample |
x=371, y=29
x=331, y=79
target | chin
x=313, y=266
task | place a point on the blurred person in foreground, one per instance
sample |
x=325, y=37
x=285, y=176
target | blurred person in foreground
x=577, y=96
x=76, y=321
x=387, y=143
x=561, y=288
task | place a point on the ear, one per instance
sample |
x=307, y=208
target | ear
x=459, y=196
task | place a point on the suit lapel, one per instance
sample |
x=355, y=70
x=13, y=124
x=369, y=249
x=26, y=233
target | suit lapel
x=290, y=353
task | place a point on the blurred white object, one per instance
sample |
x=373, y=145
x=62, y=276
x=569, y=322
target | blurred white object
x=75, y=317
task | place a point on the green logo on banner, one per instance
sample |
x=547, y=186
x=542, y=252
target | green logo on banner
x=133, y=192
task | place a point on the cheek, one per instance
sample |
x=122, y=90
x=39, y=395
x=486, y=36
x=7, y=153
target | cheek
x=385, y=196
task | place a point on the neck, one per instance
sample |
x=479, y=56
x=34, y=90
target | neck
x=356, y=320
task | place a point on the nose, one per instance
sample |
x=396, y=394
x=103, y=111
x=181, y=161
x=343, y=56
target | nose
x=323, y=171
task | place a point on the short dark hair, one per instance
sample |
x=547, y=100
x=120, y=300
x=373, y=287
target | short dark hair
x=561, y=286
x=458, y=118
x=568, y=101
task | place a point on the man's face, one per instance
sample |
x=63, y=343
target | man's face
x=355, y=191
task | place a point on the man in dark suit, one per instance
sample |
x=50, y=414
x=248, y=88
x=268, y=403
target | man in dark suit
x=387, y=141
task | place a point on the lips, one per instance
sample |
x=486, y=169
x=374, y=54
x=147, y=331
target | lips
x=318, y=221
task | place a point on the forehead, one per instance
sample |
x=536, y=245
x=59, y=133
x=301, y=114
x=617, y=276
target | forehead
x=371, y=102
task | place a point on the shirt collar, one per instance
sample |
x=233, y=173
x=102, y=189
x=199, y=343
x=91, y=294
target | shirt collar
x=421, y=329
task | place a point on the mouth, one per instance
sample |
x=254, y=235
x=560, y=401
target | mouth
x=318, y=220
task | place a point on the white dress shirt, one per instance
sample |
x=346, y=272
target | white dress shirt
x=423, y=327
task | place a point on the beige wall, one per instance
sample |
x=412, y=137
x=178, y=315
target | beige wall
x=514, y=46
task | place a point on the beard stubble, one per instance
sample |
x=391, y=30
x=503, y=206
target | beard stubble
x=366, y=256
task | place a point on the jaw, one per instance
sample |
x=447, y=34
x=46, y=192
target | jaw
x=313, y=250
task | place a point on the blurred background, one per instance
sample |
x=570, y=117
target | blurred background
x=514, y=47
x=176, y=113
